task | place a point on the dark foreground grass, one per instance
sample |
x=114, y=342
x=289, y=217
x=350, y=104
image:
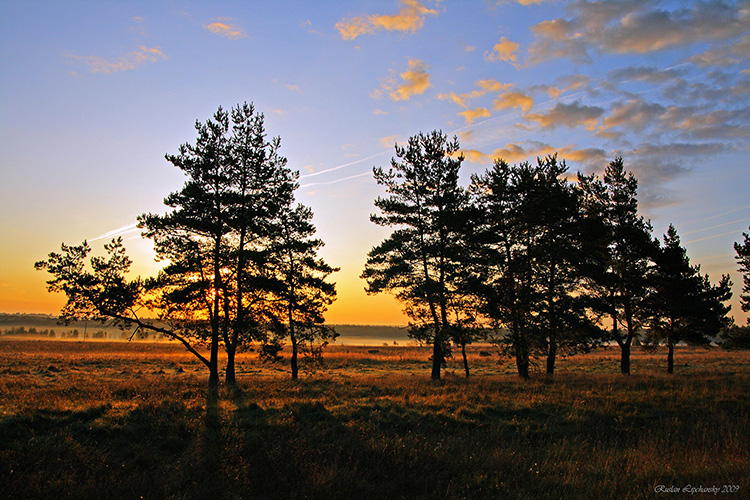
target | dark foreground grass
x=125, y=421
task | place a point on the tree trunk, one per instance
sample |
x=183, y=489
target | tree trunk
x=551, y=357
x=670, y=355
x=293, y=337
x=213, y=377
x=230, y=377
x=466, y=361
x=437, y=357
x=522, y=358
x=625, y=359
x=522, y=364
x=551, y=323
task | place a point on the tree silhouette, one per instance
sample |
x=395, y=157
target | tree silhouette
x=624, y=249
x=683, y=305
x=214, y=240
x=101, y=292
x=526, y=269
x=300, y=292
x=743, y=259
x=419, y=261
x=261, y=191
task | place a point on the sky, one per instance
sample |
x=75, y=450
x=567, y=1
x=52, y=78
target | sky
x=94, y=94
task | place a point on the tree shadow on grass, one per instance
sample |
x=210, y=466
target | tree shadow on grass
x=374, y=450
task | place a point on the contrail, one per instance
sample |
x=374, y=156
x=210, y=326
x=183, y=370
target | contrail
x=718, y=225
x=117, y=232
x=710, y=237
x=723, y=214
x=335, y=181
x=332, y=169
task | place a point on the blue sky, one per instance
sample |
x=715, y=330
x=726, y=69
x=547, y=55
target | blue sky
x=93, y=94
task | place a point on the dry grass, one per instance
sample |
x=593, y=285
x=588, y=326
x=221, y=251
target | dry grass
x=119, y=420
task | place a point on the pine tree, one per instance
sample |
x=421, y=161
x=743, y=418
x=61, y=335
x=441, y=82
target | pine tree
x=622, y=251
x=419, y=262
x=213, y=239
x=526, y=270
x=301, y=292
x=743, y=259
x=683, y=305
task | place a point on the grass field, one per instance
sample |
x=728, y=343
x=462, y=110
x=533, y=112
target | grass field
x=132, y=420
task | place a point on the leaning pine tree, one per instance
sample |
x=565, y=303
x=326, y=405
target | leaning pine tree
x=419, y=261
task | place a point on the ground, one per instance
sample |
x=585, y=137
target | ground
x=127, y=420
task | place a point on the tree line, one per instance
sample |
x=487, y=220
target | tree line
x=534, y=259
x=524, y=256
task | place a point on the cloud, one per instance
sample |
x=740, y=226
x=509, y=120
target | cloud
x=635, y=27
x=558, y=39
x=726, y=55
x=293, y=87
x=466, y=47
x=473, y=114
x=701, y=123
x=569, y=115
x=307, y=25
x=129, y=61
x=454, y=98
x=409, y=19
x=485, y=86
x=504, y=50
x=415, y=81
x=225, y=27
x=565, y=84
x=388, y=141
x=378, y=111
x=635, y=114
x=514, y=100
x=648, y=74
x=521, y=2
x=657, y=165
x=354, y=27
x=514, y=153
x=491, y=85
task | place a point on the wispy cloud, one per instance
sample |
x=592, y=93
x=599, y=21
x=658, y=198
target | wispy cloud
x=226, y=27
x=514, y=100
x=388, y=141
x=504, y=50
x=409, y=19
x=472, y=115
x=131, y=60
x=485, y=86
x=414, y=81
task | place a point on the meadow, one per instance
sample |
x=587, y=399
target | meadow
x=120, y=420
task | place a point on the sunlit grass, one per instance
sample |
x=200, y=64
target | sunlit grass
x=120, y=420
